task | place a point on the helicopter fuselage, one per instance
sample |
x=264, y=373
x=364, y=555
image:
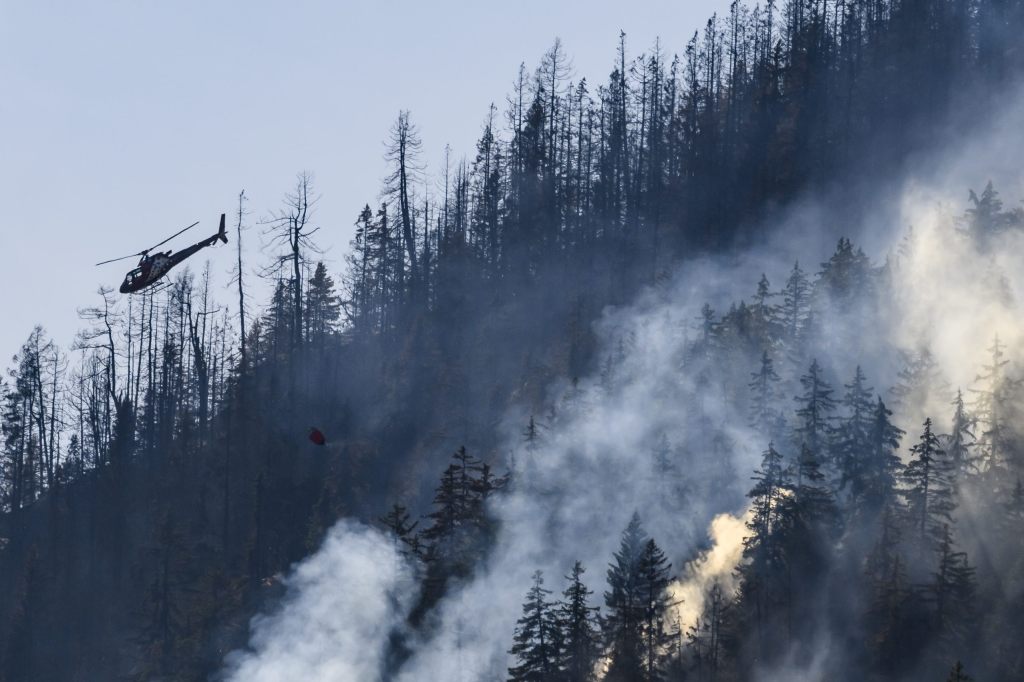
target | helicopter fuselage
x=152, y=268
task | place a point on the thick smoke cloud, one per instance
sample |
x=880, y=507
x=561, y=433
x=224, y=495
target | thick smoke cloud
x=644, y=435
x=714, y=566
x=659, y=432
x=342, y=603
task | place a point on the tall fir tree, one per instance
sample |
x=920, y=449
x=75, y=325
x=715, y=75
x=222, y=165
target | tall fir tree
x=580, y=636
x=882, y=464
x=796, y=304
x=960, y=440
x=653, y=579
x=952, y=593
x=537, y=638
x=763, y=384
x=624, y=602
x=853, y=440
x=929, y=489
x=814, y=411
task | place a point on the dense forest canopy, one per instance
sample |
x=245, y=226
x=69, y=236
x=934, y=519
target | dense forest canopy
x=592, y=439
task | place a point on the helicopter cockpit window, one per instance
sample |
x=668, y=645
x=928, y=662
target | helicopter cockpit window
x=133, y=275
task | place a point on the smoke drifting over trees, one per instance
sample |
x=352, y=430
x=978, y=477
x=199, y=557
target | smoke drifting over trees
x=711, y=371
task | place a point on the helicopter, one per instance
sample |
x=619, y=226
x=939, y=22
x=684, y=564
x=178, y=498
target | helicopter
x=151, y=268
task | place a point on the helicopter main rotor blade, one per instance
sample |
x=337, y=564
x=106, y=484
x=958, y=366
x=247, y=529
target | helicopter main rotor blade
x=146, y=251
x=114, y=260
x=171, y=237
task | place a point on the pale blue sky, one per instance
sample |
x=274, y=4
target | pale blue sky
x=122, y=121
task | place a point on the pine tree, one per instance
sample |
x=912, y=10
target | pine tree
x=814, y=411
x=812, y=506
x=537, y=638
x=881, y=465
x=580, y=645
x=771, y=486
x=653, y=578
x=985, y=220
x=764, y=315
x=763, y=574
x=795, y=303
x=846, y=275
x=706, y=637
x=929, y=490
x=623, y=622
x=460, y=530
x=323, y=309
x=952, y=592
x=453, y=537
x=397, y=521
x=854, y=437
x=531, y=444
x=763, y=415
x=992, y=411
x=960, y=439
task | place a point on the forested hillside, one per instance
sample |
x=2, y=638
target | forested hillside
x=516, y=370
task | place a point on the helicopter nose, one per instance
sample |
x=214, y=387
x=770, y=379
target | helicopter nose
x=124, y=287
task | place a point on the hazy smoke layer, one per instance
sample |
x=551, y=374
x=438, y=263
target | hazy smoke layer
x=341, y=605
x=659, y=431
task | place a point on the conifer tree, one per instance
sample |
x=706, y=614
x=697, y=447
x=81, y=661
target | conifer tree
x=992, y=411
x=846, y=275
x=960, y=439
x=706, y=637
x=453, y=536
x=795, y=303
x=653, y=578
x=580, y=644
x=771, y=485
x=815, y=410
x=763, y=414
x=460, y=530
x=929, y=490
x=854, y=437
x=623, y=622
x=531, y=439
x=985, y=220
x=881, y=465
x=764, y=314
x=812, y=506
x=763, y=584
x=397, y=521
x=323, y=309
x=537, y=638
x=952, y=592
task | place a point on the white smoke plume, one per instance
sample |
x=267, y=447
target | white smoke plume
x=340, y=607
x=716, y=565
